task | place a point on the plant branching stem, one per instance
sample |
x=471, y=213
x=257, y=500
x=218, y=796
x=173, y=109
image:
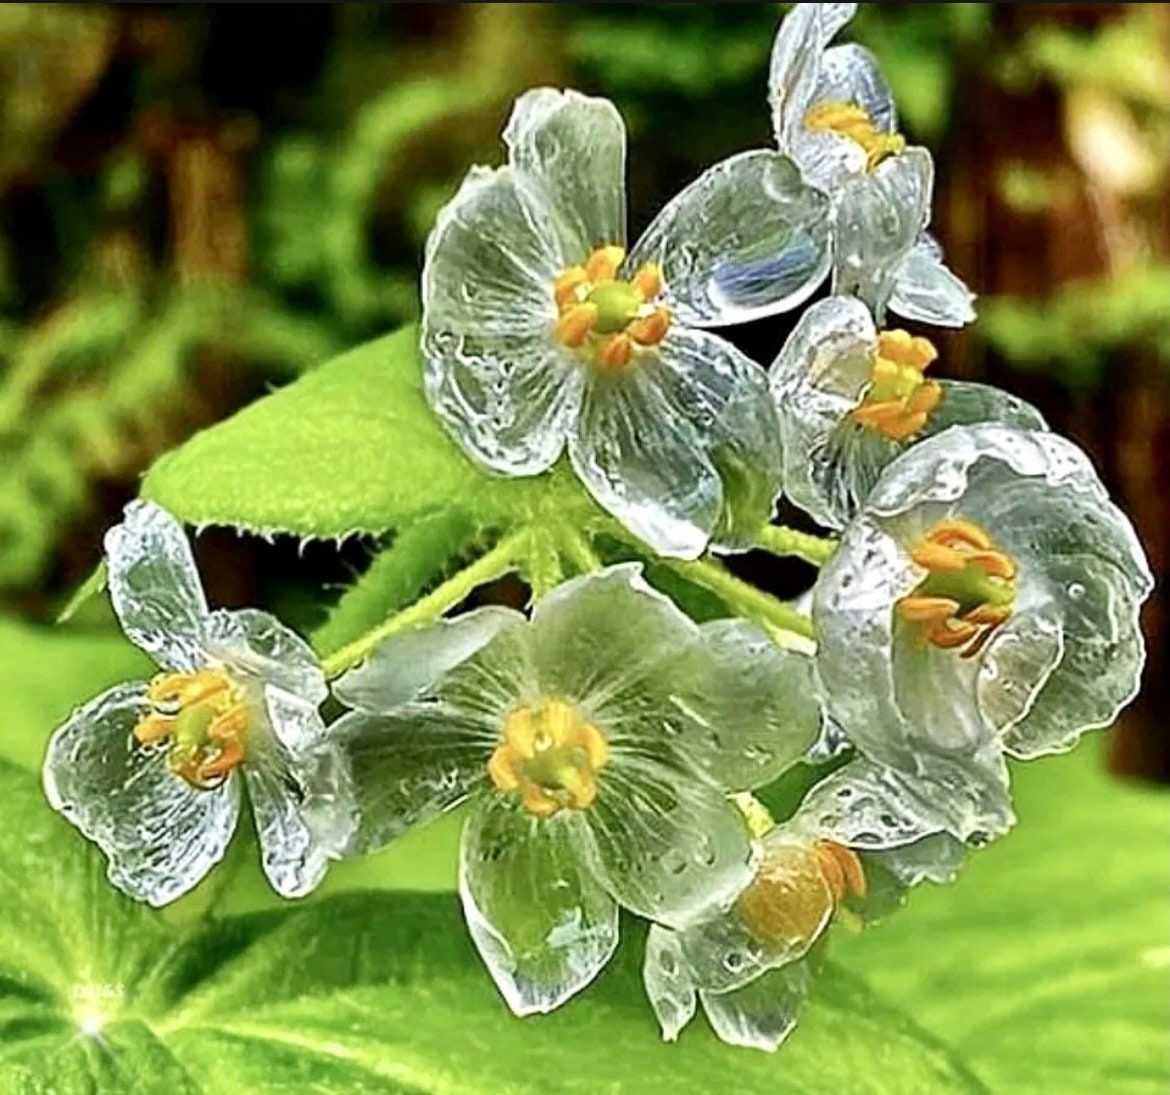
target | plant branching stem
x=781, y=540
x=495, y=563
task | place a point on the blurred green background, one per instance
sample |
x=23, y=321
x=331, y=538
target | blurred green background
x=198, y=202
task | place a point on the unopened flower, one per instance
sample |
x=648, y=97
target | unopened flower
x=540, y=331
x=984, y=601
x=149, y=771
x=596, y=744
x=834, y=115
x=859, y=840
x=851, y=398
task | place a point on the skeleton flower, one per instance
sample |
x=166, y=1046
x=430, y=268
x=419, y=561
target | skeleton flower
x=984, y=601
x=834, y=115
x=148, y=771
x=540, y=332
x=857, y=842
x=596, y=745
x=851, y=398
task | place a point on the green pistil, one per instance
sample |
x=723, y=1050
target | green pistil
x=971, y=587
x=617, y=304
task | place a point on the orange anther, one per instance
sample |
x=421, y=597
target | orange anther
x=931, y=555
x=955, y=530
x=153, y=728
x=924, y=399
x=648, y=280
x=615, y=352
x=951, y=633
x=842, y=869
x=927, y=609
x=604, y=263
x=223, y=763
x=995, y=563
x=650, y=330
x=567, y=283
x=575, y=324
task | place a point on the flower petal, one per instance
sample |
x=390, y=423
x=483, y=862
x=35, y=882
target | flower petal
x=667, y=982
x=492, y=371
x=877, y=219
x=304, y=810
x=160, y=835
x=926, y=291
x=154, y=586
x=742, y=709
x=574, y=147
x=642, y=460
x=666, y=845
x=256, y=645
x=406, y=664
x=746, y=239
x=540, y=921
x=762, y=1013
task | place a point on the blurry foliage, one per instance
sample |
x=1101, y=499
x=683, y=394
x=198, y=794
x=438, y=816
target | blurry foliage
x=190, y=213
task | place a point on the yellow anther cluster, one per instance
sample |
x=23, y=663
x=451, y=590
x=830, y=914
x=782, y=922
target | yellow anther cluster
x=852, y=121
x=968, y=592
x=550, y=756
x=605, y=317
x=899, y=399
x=205, y=720
x=797, y=888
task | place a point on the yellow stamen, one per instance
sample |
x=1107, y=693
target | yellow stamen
x=854, y=122
x=899, y=400
x=550, y=756
x=606, y=318
x=205, y=720
x=969, y=589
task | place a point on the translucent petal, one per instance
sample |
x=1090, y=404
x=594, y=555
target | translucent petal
x=574, y=147
x=741, y=708
x=761, y=1014
x=795, y=67
x=878, y=218
x=665, y=844
x=726, y=949
x=667, y=981
x=1017, y=663
x=304, y=810
x=746, y=239
x=1101, y=662
x=926, y=291
x=934, y=858
x=640, y=457
x=256, y=645
x=406, y=664
x=865, y=806
x=154, y=585
x=541, y=922
x=493, y=373
x=160, y=835
x=427, y=755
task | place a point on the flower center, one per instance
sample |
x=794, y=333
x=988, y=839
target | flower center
x=796, y=889
x=854, y=122
x=969, y=589
x=899, y=398
x=550, y=757
x=606, y=318
x=205, y=719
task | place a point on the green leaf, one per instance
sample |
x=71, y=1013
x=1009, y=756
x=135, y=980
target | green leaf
x=351, y=447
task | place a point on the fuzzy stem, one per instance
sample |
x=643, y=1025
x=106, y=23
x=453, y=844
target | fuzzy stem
x=781, y=540
x=501, y=559
x=578, y=550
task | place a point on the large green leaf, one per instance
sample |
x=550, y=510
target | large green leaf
x=350, y=447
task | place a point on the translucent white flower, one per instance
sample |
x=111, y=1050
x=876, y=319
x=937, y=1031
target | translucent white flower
x=539, y=331
x=858, y=841
x=851, y=398
x=984, y=601
x=148, y=770
x=834, y=115
x=596, y=743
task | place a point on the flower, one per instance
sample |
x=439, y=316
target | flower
x=833, y=114
x=539, y=331
x=851, y=398
x=859, y=840
x=984, y=601
x=596, y=744
x=148, y=770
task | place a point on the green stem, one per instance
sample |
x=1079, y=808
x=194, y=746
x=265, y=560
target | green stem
x=781, y=540
x=501, y=559
x=745, y=598
x=578, y=550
